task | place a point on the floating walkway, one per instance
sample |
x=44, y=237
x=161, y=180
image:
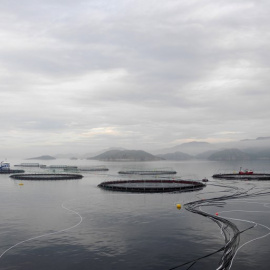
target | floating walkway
x=64, y=167
x=237, y=176
x=27, y=165
x=146, y=172
x=152, y=186
x=36, y=176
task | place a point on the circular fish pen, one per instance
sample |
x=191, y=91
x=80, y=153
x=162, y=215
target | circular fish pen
x=42, y=177
x=236, y=176
x=151, y=172
x=11, y=171
x=152, y=186
x=93, y=169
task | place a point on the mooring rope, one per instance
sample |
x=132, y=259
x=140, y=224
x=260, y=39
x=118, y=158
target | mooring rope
x=231, y=246
x=47, y=234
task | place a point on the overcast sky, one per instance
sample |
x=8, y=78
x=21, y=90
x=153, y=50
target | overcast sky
x=81, y=76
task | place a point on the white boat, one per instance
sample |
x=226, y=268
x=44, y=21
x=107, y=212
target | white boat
x=4, y=166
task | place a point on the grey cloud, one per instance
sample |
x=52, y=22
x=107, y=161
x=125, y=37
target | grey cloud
x=141, y=68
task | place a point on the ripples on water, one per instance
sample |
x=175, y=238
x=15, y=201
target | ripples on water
x=123, y=230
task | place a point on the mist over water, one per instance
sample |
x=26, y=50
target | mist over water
x=75, y=225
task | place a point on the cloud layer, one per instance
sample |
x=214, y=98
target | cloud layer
x=86, y=75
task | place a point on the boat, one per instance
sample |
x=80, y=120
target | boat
x=246, y=171
x=5, y=168
x=4, y=165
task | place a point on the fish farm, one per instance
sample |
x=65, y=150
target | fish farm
x=65, y=167
x=36, y=177
x=7, y=171
x=152, y=186
x=27, y=165
x=150, y=172
x=236, y=176
x=94, y=169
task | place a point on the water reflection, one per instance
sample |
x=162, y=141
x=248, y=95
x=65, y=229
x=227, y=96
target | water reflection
x=122, y=230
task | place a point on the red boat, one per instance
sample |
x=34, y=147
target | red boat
x=245, y=171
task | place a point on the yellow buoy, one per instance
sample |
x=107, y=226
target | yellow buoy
x=21, y=184
x=178, y=206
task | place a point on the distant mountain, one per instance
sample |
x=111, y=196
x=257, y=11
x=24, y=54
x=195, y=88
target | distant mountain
x=198, y=149
x=70, y=155
x=206, y=155
x=259, y=152
x=262, y=138
x=176, y=156
x=126, y=155
x=257, y=139
x=191, y=148
x=230, y=154
x=195, y=143
x=46, y=157
x=86, y=155
x=89, y=155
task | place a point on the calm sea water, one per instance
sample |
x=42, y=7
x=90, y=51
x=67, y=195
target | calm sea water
x=76, y=225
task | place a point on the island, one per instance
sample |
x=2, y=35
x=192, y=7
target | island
x=45, y=157
x=126, y=155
